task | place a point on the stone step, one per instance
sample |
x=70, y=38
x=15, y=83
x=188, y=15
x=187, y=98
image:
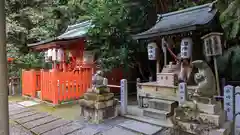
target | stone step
x=164, y=105
x=163, y=123
x=141, y=128
x=156, y=114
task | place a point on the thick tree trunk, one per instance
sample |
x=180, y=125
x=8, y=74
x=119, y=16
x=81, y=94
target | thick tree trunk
x=4, y=121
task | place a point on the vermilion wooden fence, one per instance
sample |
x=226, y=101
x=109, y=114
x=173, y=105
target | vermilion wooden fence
x=31, y=82
x=57, y=87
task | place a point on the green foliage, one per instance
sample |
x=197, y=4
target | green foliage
x=230, y=17
x=182, y=4
x=31, y=21
x=30, y=60
x=114, y=21
x=229, y=63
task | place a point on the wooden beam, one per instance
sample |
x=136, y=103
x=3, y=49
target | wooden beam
x=56, y=44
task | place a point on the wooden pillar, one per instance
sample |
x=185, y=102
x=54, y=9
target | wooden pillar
x=158, y=65
x=64, y=61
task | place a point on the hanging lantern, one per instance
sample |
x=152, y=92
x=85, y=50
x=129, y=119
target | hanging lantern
x=54, y=54
x=152, y=51
x=186, y=48
x=164, y=45
x=49, y=54
x=46, y=56
x=60, y=55
x=88, y=56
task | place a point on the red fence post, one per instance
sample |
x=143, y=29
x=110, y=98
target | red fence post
x=54, y=77
x=23, y=81
x=33, y=82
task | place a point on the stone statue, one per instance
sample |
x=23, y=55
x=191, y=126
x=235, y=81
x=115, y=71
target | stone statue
x=98, y=85
x=97, y=79
x=205, y=79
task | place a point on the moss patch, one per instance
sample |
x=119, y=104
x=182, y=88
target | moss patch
x=17, y=98
x=66, y=111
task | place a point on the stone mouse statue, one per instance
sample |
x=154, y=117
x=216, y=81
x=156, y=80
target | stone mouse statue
x=99, y=83
x=97, y=79
x=205, y=79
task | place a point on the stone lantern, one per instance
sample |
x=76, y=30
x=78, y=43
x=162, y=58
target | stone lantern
x=152, y=51
x=213, y=47
x=212, y=44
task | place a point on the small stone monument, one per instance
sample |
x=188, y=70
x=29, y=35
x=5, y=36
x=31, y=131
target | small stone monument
x=98, y=103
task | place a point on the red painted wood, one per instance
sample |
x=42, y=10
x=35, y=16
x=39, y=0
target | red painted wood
x=31, y=82
x=64, y=86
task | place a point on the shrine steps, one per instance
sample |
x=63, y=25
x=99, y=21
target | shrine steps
x=160, y=109
x=145, y=115
x=164, y=105
x=156, y=114
x=163, y=123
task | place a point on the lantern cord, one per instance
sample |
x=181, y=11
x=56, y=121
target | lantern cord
x=173, y=55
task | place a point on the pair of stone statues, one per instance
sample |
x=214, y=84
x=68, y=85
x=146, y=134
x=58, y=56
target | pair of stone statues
x=204, y=78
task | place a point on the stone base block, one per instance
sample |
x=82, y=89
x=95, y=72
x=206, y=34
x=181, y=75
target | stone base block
x=156, y=114
x=205, y=108
x=203, y=129
x=99, y=90
x=98, y=97
x=163, y=105
x=99, y=115
x=97, y=105
x=204, y=100
x=217, y=119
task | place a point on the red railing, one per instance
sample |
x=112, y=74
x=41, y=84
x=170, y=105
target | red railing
x=31, y=82
x=57, y=87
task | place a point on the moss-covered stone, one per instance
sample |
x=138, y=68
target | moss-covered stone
x=98, y=97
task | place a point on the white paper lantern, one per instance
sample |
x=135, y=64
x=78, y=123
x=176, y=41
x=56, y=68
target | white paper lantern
x=164, y=45
x=49, y=53
x=152, y=51
x=60, y=55
x=88, y=56
x=186, y=48
x=54, y=54
x=46, y=56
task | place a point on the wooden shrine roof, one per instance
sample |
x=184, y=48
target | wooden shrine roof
x=73, y=32
x=181, y=21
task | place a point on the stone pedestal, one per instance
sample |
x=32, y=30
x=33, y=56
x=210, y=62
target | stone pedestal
x=202, y=118
x=96, y=107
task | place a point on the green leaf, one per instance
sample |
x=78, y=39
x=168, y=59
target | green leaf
x=235, y=29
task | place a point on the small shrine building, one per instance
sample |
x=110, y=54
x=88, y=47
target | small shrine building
x=183, y=97
x=168, y=35
x=72, y=67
